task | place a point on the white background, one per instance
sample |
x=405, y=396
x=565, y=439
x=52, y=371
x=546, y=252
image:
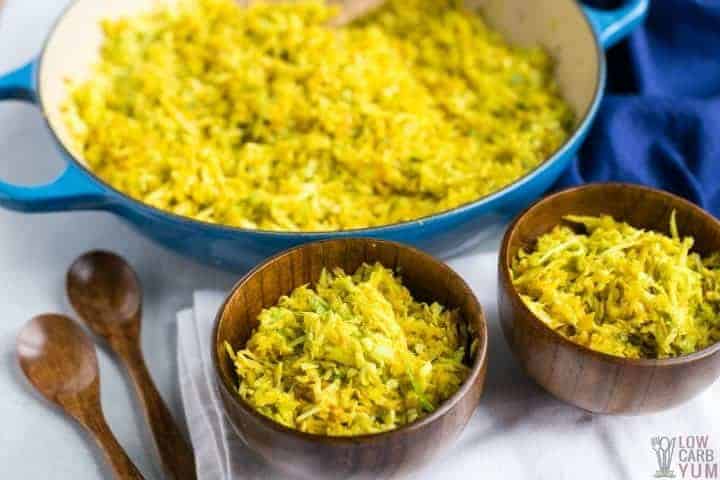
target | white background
x=518, y=431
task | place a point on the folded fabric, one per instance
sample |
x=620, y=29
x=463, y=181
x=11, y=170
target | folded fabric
x=219, y=452
x=658, y=124
x=518, y=431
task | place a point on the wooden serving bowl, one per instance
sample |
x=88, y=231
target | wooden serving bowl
x=588, y=379
x=364, y=456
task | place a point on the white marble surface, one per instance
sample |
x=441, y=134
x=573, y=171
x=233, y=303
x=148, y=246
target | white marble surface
x=518, y=432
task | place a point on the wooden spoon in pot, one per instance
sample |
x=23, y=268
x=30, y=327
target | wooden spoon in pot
x=350, y=11
x=59, y=360
x=106, y=293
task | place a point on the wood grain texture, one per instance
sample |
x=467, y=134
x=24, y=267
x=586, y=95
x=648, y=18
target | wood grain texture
x=367, y=456
x=59, y=360
x=588, y=379
x=106, y=293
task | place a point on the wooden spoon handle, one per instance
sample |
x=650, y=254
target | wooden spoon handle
x=352, y=10
x=175, y=453
x=123, y=468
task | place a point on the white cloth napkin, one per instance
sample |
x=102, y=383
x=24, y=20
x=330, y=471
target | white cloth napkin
x=518, y=431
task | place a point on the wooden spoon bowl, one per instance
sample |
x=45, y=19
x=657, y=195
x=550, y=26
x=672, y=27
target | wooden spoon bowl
x=588, y=379
x=366, y=456
x=59, y=360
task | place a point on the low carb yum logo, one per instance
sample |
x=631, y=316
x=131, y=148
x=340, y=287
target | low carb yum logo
x=664, y=448
x=686, y=457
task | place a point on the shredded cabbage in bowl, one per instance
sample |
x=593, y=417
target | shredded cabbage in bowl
x=621, y=290
x=354, y=355
x=266, y=118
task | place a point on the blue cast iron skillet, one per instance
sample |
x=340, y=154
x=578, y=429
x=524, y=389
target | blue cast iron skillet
x=574, y=35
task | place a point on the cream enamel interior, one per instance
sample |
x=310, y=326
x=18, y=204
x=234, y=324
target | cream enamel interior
x=557, y=25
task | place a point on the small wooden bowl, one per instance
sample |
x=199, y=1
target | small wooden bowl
x=588, y=379
x=365, y=456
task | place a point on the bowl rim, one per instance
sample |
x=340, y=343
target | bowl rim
x=476, y=372
x=539, y=325
x=578, y=132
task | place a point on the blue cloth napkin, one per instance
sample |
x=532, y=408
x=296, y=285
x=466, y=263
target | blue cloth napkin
x=659, y=123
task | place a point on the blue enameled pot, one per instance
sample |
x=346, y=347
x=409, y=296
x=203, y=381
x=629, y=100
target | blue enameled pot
x=576, y=36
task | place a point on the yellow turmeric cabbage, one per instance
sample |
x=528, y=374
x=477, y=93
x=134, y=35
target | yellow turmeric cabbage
x=266, y=118
x=353, y=355
x=621, y=290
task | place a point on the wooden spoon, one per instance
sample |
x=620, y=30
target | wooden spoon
x=106, y=293
x=59, y=360
x=350, y=11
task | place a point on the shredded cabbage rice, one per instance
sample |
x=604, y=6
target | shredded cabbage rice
x=621, y=290
x=266, y=118
x=354, y=355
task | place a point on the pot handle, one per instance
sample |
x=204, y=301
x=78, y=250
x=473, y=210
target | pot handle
x=71, y=190
x=614, y=25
